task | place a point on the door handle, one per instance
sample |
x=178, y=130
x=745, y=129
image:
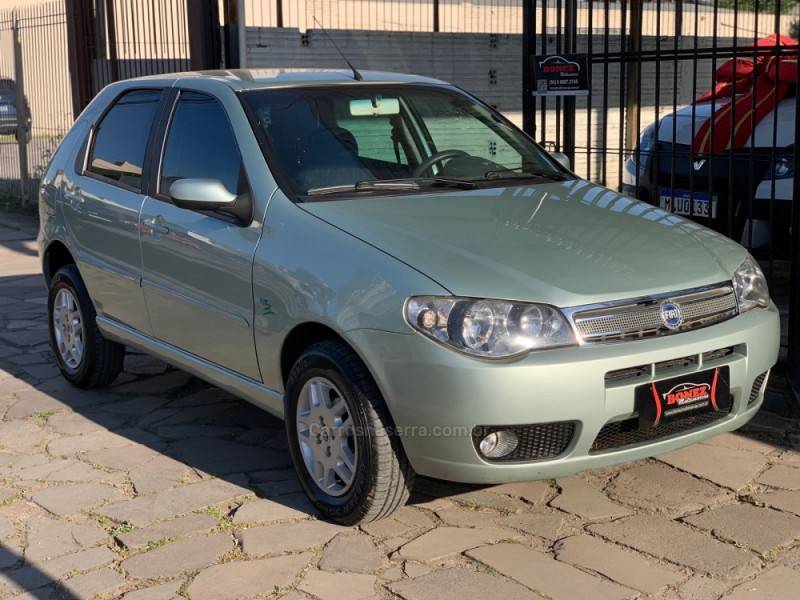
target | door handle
x=153, y=225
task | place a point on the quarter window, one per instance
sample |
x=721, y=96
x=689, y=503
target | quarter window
x=120, y=140
x=200, y=144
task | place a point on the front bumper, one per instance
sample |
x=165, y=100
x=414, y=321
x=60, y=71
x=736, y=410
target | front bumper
x=437, y=396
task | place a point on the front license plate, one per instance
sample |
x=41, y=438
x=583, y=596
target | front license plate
x=673, y=399
x=689, y=204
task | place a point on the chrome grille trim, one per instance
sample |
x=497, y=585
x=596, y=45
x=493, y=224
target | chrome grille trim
x=640, y=318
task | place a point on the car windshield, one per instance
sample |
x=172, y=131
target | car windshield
x=368, y=138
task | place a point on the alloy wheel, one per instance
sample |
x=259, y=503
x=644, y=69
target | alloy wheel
x=327, y=436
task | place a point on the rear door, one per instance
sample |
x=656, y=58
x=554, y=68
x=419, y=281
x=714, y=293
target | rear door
x=102, y=205
x=197, y=266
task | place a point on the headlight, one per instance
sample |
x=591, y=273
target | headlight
x=750, y=286
x=489, y=328
x=784, y=168
x=647, y=144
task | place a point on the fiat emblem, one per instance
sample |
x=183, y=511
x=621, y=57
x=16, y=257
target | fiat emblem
x=671, y=314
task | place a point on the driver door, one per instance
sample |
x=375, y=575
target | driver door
x=197, y=266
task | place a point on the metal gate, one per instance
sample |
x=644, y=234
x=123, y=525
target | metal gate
x=35, y=111
x=691, y=107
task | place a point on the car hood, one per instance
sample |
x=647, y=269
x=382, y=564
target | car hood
x=700, y=113
x=565, y=243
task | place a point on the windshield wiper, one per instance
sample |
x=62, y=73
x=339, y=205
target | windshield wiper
x=517, y=173
x=392, y=185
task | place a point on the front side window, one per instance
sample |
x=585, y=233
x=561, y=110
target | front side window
x=200, y=145
x=120, y=139
x=328, y=139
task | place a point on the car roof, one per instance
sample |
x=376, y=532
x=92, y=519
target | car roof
x=247, y=79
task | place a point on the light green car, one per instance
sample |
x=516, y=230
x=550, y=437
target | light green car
x=398, y=272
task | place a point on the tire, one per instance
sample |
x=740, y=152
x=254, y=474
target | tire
x=382, y=477
x=100, y=361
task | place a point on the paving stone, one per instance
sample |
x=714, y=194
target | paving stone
x=352, y=553
x=71, y=423
x=449, y=584
x=175, y=558
x=287, y=537
x=760, y=529
x=41, y=574
x=221, y=457
x=32, y=402
x=785, y=500
x=170, y=503
x=447, y=541
x=122, y=458
x=55, y=471
x=334, y=586
x=294, y=506
x=535, y=492
x=549, y=525
x=727, y=467
x=94, y=583
x=703, y=587
x=625, y=567
x=657, y=487
x=21, y=436
x=186, y=526
x=99, y=440
x=389, y=528
x=781, y=476
x=48, y=538
x=160, y=384
x=165, y=591
x=495, y=501
x=548, y=576
x=580, y=498
x=779, y=583
x=740, y=441
x=11, y=552
x=141, y=405
x=64, y=500
x=679, y=544
x=465, y=517
x=159, y=473
x=278, y=489
x=246, y=579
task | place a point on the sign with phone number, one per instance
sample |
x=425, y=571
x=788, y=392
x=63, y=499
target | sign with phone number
x=560, y=75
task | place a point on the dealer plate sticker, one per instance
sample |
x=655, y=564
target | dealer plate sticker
x=673, y=399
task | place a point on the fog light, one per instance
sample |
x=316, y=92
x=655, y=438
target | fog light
x=498, y=444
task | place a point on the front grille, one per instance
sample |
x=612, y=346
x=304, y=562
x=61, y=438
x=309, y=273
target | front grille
x=536, y=442
x=620, y=434
x=637, y=319
x=758, y=385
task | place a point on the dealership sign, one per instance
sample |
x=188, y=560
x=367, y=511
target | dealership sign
x=560, y=75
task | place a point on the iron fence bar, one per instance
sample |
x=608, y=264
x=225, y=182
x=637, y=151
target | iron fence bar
x=570, y=41
x=279, y=13
x=607, y=13
x=694, y=110
x=623, y=75
x=590, y=79
x=435, y=15
x=528, y=100
x=793, y=362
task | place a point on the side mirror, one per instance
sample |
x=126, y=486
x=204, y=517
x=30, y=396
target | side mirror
x=562, y=159
x=201, y=194
x=211, y=195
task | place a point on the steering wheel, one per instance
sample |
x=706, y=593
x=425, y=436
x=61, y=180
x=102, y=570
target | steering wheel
x=426, y=164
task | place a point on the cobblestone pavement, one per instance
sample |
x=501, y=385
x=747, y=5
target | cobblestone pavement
x=162, y=487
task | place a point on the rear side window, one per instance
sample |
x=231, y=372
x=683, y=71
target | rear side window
x=200, y=144
x=120, y=140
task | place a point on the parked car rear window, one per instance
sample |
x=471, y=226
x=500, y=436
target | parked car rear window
x=120, y=140
x=200, y=144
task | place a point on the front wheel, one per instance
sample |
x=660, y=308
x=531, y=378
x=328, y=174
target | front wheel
x=86, y=359
x=348, y=458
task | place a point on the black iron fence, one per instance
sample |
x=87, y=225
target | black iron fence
x=692, y=109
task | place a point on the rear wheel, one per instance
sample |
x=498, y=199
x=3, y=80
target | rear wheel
x=348, y=458
x=86, y=359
